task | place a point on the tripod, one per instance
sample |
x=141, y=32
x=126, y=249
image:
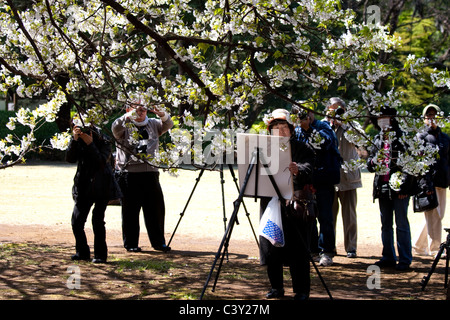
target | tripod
x=444, y=246
x=254, y=162
x=222, y=182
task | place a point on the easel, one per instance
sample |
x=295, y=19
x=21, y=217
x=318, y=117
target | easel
x=256, y=159
x=222, y=182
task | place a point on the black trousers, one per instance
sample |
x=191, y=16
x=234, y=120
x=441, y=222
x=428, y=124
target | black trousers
x=295, y=254
x=79, y=217
x=142, y=190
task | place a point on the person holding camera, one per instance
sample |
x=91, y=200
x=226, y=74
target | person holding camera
x=346, y=189
x=93, y=185
x=137, y=139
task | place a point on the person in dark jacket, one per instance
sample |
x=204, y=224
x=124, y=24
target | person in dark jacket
x=429, y=239
x=325, y=176
x=93, y=185
x=297, y=231
x=393, y=199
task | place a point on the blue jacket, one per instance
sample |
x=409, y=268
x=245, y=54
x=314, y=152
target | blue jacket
x=328, y=159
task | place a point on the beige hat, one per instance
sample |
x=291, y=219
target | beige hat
x=425, y=110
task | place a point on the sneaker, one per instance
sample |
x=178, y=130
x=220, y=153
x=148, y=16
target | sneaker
x=275, y=293
x=443, y=255
x=351, y=254
x=325, y=260
x=315, y=257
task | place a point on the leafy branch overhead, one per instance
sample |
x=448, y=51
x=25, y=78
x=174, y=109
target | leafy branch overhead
x=223, y=63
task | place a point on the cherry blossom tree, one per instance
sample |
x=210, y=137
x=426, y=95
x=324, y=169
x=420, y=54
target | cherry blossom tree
x=213, y=65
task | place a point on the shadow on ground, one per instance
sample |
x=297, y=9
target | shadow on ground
x=33, y=271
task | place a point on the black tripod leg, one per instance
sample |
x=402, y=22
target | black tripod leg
x=320, y=276
x=433, y=266
x=446, y=266
x=227, y=235
x=223, y=244
x=222, y=183
x=230, y=166
x=187, y=203
x=225, y=249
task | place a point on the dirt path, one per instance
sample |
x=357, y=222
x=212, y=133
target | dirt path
x=36, y=243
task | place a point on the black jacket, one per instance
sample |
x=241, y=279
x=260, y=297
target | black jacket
x=94, y=177
x=303, y=154
x=439, y=173
x=381, y=187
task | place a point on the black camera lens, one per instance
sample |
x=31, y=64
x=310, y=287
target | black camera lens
x=301, y=113
x=86, y=130
x=339, y=111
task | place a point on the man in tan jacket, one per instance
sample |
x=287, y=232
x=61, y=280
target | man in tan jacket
x=346, y=193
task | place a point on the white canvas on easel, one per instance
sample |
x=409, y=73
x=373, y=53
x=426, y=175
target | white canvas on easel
x=276, y=151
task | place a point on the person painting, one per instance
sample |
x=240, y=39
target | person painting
x=295, y=252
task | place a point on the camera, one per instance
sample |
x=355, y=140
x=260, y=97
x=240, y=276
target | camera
x=339, y=111
x=142, y=147
x=86, y=130
x=301, y=113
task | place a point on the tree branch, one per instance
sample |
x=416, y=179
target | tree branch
x=162, y=42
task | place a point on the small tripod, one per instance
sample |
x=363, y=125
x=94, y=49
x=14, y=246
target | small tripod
x=445, y=245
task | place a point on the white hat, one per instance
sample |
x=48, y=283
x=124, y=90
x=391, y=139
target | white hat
x=433, y=106
x=281, y=114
